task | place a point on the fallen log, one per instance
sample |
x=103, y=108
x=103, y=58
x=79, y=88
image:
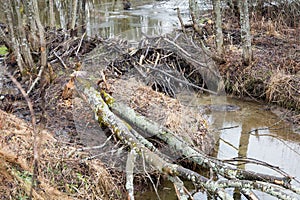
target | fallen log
x=180, y=145
x=122, y=131
x=111, y=115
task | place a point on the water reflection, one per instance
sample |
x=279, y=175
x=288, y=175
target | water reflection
x=108, y=19
x=277, y=145
x=252, y=132
x=258, y=134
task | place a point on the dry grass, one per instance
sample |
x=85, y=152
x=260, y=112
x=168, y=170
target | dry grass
x=62, y=173
x=169, y=112
x=284, y=90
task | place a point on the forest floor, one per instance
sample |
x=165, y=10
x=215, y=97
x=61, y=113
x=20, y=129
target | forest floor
x=273, y=77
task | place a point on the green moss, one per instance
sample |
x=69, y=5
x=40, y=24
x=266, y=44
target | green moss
x=101, y=122
x=109, y=100
x=128, y=126
x=3, y=50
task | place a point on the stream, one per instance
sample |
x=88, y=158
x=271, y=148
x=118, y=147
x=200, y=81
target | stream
x=251, y=131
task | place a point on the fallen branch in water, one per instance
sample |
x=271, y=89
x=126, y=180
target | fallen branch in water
x=112, y=116
x=106, y=118
x=179, y=145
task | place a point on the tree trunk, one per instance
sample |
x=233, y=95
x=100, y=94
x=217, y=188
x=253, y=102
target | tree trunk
x=32, y=35
x=74, y=12
x=218, y=29
x=193, y=12
x=21, y=35
x=51, y=14
x=63, y=20
x=245, y=32
x=41, y=33
x=15, y=45
x=122, y=131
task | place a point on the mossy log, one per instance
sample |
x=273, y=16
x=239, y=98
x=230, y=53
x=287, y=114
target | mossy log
x=177, y=144
x=123, y=132
x=119, y=119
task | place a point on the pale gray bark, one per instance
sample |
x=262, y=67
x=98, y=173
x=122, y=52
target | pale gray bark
x=8, y=11
x=177, y=144
x=32, y=33
x=218, y=29
x=62, y=14
x=122, y=131
x=41, y=33
x=129, y=174
x=52, y=14
x=20, y=33
x=82, y=24
x=74, y=13
x=105, y=116
x=245, y=32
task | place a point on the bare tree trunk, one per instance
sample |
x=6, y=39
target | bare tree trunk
x=20, y=33
x=219, y=33
x=74, y=12
x=51, y=14
x=32, y=35
x=15, y=45
x=193, y=10
x=82, y=18
x=124, y=132
x=41, y=33
x=245, y=32
x=63, y=20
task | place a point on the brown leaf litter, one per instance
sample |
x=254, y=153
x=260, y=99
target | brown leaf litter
x=168, y=112
x=63, y=172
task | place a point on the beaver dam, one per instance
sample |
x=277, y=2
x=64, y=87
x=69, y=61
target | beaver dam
x=172, y=70
x=145, y=133
x=151, y=119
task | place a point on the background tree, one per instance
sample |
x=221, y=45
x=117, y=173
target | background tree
x=245, y=31
x=218, y=29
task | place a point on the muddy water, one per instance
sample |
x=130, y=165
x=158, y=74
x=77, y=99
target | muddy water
x=251, y=131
